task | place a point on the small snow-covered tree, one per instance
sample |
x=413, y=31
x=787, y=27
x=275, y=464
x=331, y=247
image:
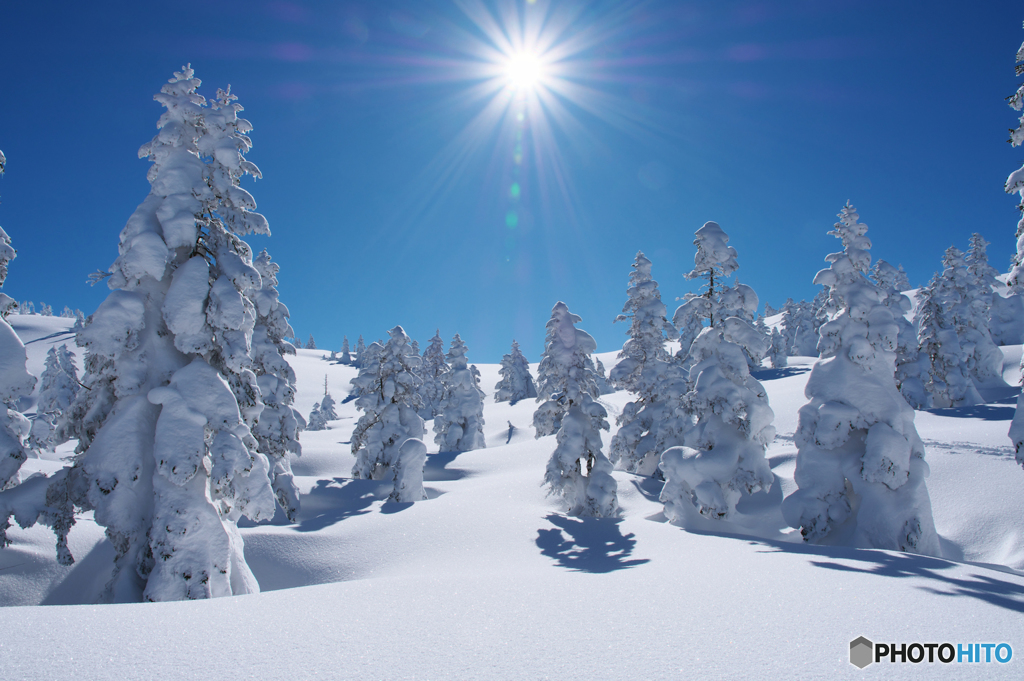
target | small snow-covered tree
x=433, y=368
x=459, y=426
x=327, y=404
x=778, y=352
x=346, y=357
x=516, y=381
x=860, y=466
x=316, y=419
x=570, y=389
x=647, y=423
x=770, y=311
x=360, y=349
x=311, y=344
x=388, y=438
x=57, y=390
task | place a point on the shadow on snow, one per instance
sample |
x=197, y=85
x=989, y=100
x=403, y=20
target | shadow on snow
x=781, y=372
x=985, y=412
x=436, y=468
x=588, y=544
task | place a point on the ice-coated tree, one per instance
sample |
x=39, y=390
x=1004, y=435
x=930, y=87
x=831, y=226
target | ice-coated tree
x=798, y=328
x=570, y=389
x=1006, y=310
x=327, y=404
x=27, y=307
x=459, y=426
x=778, y=352
x=166, y=457
x=432, y=371
x=715, y=259
x=67, y=313
x=1015, y=185
x=57, y=390
x=516, y=381
x=888, y=279
x=647, y=423
x=388, y=438
x=311, y=344
x=770, y=311
x=15, y=383
x=563, y=368
x=346, y=357
x=360, y=349
x=860, y=466
x=298, y=343
x=974, y=278
x=414, y=347
x=279, y=424
x=943, y=315
x=316, y=419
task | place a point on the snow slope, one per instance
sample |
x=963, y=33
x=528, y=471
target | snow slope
x=487, y=580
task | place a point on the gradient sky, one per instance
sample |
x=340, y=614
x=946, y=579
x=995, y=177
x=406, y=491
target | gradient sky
x=389, y=145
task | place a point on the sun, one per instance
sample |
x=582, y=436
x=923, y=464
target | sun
x=525, y=71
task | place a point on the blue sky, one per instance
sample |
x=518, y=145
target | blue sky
x=387, y=137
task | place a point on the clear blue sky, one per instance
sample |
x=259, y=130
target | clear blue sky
x=388, y=142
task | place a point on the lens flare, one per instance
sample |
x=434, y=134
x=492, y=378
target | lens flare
x=524, y=71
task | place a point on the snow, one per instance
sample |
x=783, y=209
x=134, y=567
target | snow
x=487, y=579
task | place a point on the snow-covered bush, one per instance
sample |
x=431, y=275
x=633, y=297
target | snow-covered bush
x=459, y=426
x=570, y=389
x=57, y=390
x=516, y=381
x=648, y=424
x=388, y=438
x=432, y=371
x=860, y=465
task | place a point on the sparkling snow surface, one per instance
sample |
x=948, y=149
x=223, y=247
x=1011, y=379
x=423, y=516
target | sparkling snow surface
x=488, y=580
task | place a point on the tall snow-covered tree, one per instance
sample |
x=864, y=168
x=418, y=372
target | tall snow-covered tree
x=166, y=457
x=388, y=438
x=432, y=371
x=570, y=390
x=516, y=381
x=860, y=466
x=647, y=423
x=798, y=328
x=722, y=457
x=57, y=390
x=279, y=424
x=360, y=349
x=973, y=279
x=459, y=426
x=1015, y=185
x=778, y=351
x=907, y=372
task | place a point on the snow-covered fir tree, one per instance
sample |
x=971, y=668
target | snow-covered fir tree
x=360, y=349
x=316, y=420
x=346, y=356
x=57, y=390
x=943, y=354
x=432, y=371
x=388, y=438
x=166, y=457
x=516, y=381
x=907, y=372
x=647, y=424
x=279, y=424
x=973, y=278
x=1015, y=185
x=723, y=456
x=860, y=466
x=770, y=311
x=459, y=426
x=311, y=344
x=798, y=328
x=568, y=389
x=1006, y=310
x=778, y=351
x=327, y=404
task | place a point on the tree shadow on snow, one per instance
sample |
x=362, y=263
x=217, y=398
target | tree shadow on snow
x=985, y=587
x=781, y=372
x=594, y=545
x=436, y=468
x=331, y=501
x=984, y=412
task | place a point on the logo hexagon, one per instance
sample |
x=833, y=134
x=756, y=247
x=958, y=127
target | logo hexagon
x=861, y=652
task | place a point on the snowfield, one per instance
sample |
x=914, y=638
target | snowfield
x=488, y=579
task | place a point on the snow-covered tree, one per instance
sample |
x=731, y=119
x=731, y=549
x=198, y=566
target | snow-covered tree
x=166, y=457
x=798, y=328
x=570, y=389
x=459, y=426
x=778, y=351
x=388, y=438
x=57, y=390
x=311, y=344
x=432, y=371
x=976, y=280
x=722, y=456
x=907, y=372
x=516, y=381
x=279, y=424
x=647, y=423
x=316, y=420
x=297, y=343
x=327, y=404
x=770, y=311
x=860, y=465
x=360, y=349
x=346, y=357
x=1015, y=185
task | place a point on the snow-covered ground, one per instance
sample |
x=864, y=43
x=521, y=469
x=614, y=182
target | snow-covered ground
x=487, y=579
